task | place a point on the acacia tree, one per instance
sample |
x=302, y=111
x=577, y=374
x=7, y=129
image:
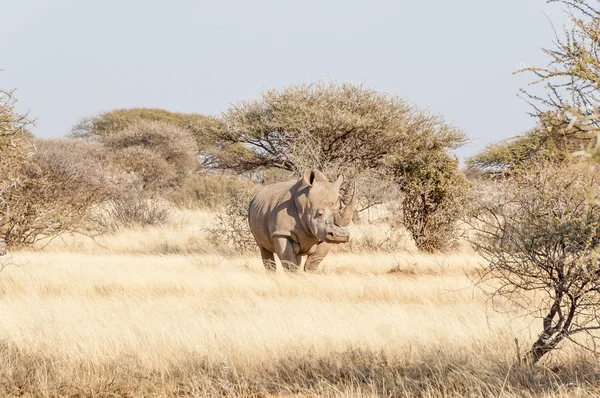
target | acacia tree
x=108, y=123
x=49, y=186
x=555, y=138
x=564, y=98
x=14, y=148
x=539, y=228
x=571, y=78
x=321, y=124
x=540, y=233
x=159, y=146
x=14, y=153
x=343, y=128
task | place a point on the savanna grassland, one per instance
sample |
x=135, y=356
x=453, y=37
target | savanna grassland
x=162, y=311
x=120, y=282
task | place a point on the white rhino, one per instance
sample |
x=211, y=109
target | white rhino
x=299, y=218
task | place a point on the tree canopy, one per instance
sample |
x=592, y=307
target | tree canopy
x=111, y=122
x=554, y=139
x=326, y=124
x=566, y=108
x=354, y=130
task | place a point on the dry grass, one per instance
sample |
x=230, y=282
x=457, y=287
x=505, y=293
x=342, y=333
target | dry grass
x=160, y=312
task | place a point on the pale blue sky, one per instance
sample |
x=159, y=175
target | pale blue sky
x=73, y=58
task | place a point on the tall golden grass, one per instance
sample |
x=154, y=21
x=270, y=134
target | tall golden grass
x=162, y=312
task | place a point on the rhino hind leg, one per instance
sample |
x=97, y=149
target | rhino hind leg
x=315, y=256
x=268, y=259
x=284, y=248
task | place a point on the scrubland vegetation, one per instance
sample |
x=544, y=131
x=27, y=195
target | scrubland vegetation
x=163, y=311
x=131, y=270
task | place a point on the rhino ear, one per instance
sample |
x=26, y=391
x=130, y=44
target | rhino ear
x=309, y=177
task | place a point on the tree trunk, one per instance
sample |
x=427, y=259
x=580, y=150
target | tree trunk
x=543, y=345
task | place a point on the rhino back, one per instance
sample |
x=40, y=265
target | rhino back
x=272, y=211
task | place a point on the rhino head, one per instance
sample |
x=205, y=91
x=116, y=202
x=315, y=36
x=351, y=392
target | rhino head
x=4, y=230
x=320, y=208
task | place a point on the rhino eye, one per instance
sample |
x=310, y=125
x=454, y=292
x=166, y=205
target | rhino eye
x=320, y=213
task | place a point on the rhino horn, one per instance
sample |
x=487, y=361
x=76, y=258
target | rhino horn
x=348, y=211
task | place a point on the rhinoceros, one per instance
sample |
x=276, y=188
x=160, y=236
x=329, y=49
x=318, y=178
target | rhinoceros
x=4, y=230
x=299, y=218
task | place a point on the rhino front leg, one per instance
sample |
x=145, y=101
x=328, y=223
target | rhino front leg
x=284, y=248
x=268, y=259
x=316, y=255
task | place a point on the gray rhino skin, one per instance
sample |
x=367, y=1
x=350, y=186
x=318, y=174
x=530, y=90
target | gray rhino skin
x=299, y=218
x=4, y=230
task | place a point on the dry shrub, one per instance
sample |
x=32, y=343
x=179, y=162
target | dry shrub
x=131, y=212
x=375, y=189
x=15, y=153
x=152, y=169
x=271, y=175
x=210, y=191
x=61, y=183
x=11, y=122
x=540, y=234
x=231, y=227
x=386, y=240
x=434, y=197
x=15, y=148
x=174, y=145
